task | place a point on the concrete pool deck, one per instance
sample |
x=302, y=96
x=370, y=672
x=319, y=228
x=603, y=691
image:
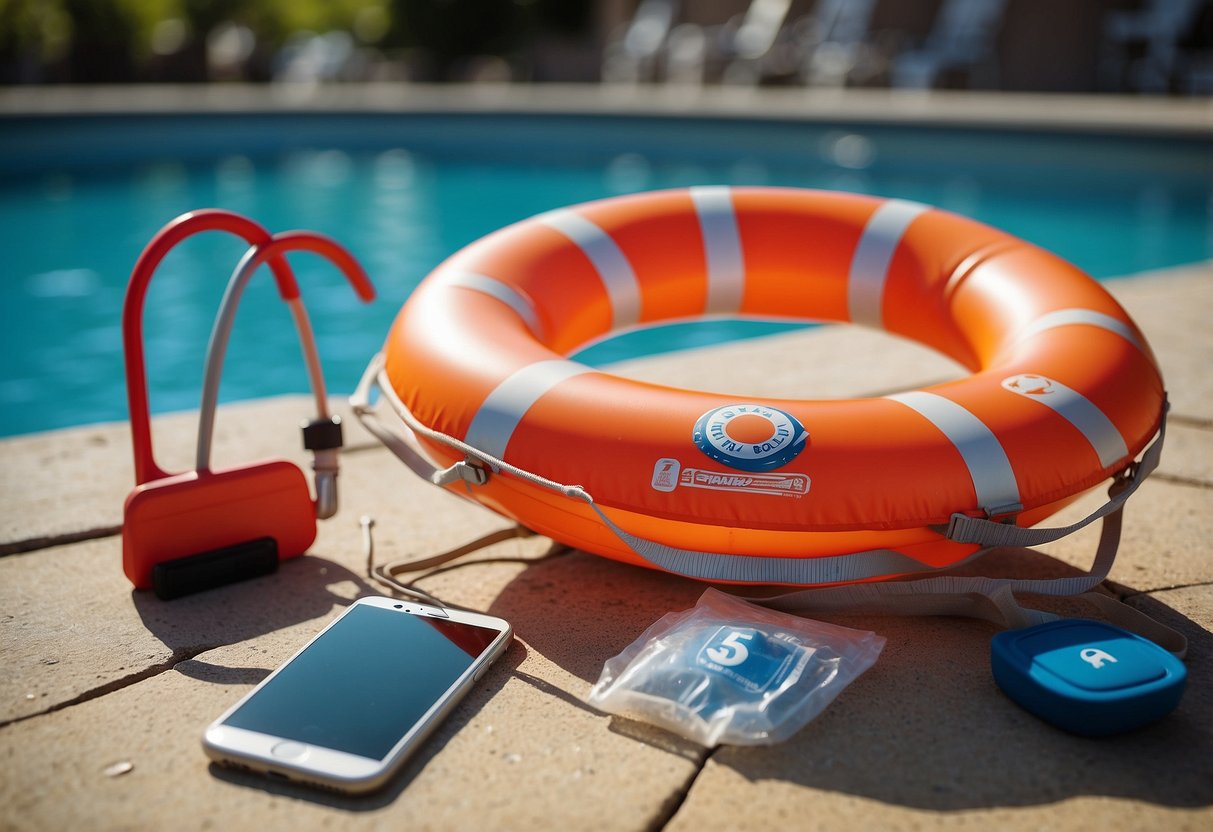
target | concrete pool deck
x=106, y=690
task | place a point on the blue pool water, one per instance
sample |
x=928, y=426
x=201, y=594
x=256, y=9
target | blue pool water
x=79, y=197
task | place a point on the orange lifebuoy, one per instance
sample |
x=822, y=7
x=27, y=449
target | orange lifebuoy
x=1064, y=390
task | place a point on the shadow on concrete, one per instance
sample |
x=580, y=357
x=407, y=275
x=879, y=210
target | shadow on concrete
x=220, y=675
x=578, y=610
x=926, y=727
x=302, y=589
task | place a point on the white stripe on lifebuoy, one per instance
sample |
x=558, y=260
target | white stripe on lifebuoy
x=721, y=247
x=500, y=413
x=873, y=254
x=993, y=479
x=508, y=295
x=1089, y=317
x=1076, y=409
x=613, y=267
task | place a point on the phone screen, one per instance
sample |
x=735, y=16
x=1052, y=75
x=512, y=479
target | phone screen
x=364, y=682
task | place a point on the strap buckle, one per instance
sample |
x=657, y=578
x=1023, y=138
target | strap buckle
x=1124, y=479
x=468, y=470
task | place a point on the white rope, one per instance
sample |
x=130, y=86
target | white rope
x=360, y=404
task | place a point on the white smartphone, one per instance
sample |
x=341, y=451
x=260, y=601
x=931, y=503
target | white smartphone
x=347, y=710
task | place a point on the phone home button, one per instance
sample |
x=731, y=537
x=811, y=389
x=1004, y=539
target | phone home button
x=289, y=750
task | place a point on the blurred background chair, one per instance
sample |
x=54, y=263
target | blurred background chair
x=1160, y=46
x=1083, y=46
x=962, y=40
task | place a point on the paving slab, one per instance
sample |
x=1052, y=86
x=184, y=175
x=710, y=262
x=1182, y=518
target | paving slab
x=1164, y=538
x=508, y=758
x=1173, y=308
x=100, y=676
x=530, y=732
x=1188, y=456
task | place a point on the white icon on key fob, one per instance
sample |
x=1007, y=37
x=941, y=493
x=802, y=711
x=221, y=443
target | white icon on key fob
x=1096, y=658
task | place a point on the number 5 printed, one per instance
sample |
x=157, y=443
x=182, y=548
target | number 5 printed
x=732, y=650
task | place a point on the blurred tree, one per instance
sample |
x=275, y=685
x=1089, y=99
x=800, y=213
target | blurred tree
x=103, y=33
x=89, y=41
x=444, y=34
x=35, y=37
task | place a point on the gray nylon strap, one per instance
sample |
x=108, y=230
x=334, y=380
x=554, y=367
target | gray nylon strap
x=369, y=418
x=991, y=599
x=1137, y=621
x=406, y=453
x=858, y=566
x=982, y=598
x=925, y=594
x=748, y=569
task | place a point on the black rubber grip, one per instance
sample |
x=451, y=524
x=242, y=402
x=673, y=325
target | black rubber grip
x=322, y=434
x=207, y=570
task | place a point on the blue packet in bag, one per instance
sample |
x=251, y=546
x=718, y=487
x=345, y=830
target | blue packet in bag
x=727, y=671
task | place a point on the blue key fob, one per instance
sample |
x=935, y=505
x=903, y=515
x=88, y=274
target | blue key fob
x=1087, y=677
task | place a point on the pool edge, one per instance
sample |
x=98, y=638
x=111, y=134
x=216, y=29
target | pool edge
x=1107, y=114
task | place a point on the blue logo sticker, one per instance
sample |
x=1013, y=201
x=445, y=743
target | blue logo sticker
x=753, y=660
x=750, y=437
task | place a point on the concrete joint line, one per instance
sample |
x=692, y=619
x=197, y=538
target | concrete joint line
x=33, y=544
x=116, y=684
x=1127, y=594
x=675, y=802
x=548, y=688
x=1199, y=422
x=1190, y=482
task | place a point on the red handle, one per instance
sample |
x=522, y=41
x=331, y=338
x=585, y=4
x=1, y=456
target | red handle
x=211, y=219
x=320, y=244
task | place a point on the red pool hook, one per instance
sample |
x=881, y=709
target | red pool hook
x=186, y=225
x=199, y=529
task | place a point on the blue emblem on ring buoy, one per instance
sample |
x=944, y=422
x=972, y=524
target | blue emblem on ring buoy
x=750, y=437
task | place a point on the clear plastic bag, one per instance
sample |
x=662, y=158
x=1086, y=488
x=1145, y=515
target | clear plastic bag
x=728, y=671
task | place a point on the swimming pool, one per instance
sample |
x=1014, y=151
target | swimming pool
x=80, y=196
